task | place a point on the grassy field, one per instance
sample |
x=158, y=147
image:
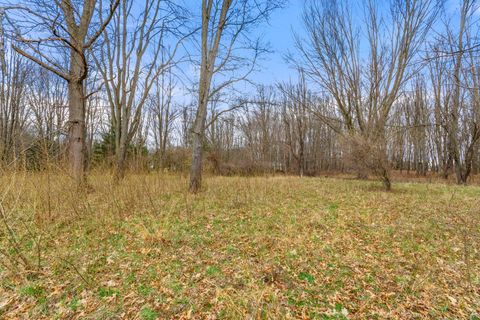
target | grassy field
x=244, y=248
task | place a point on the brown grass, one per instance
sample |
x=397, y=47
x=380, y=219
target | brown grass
x=244, y=248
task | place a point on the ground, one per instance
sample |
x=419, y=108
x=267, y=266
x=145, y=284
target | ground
x=244, y=248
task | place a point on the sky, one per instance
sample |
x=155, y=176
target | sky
x=279, y=34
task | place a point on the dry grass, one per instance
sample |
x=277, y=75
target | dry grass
x=245, y=248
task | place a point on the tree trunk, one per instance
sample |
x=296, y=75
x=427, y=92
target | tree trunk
x=301, y=159
x=77, y=131
x=454, y=145
x=196, y=169
x=460, y=172
x=121, y=145
x=387, y=184
x=119, y=173
x=199, y=127
x=464, y=171
x=197, y=143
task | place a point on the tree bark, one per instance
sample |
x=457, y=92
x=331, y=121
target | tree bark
x=197, y=143
x=196, y=169
x=119, y=171
x=387, y=184
x=77, y=131
x=453, y=131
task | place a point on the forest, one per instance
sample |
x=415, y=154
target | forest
x=239, y=159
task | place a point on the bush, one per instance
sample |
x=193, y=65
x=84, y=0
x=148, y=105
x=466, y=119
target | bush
x=365, y=156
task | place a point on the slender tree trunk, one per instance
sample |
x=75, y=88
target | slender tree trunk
x=121, y=156
x=77, y=130
x=454, y=145
x=196, y=170
x=384, y=164
x=207, y=69
x=121, y=145
x=387, y=184
x=447, y=164
x=462, y=177
x=301, y=160
x=197, y=147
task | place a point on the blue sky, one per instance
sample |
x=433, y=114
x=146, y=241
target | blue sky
x=278, y=33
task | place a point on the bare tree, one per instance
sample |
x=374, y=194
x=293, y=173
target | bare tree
x=163, y=114
x=438, y=75
x=364, y=93
x=46, y=96
x=462, y=163
x=49, y=32
x=224, y=25
x=131, y=60
x=13, y=113
x=296, y=105
x=366, y=100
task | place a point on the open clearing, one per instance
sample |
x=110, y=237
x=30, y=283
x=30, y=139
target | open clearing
x=254, y=248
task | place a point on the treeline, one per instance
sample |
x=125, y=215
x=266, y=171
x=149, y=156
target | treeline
x=396, y=90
